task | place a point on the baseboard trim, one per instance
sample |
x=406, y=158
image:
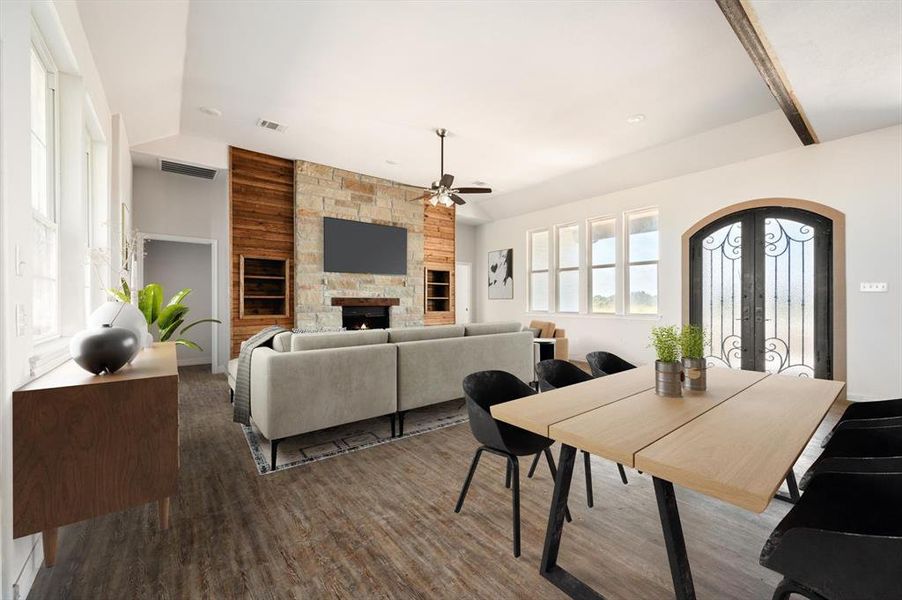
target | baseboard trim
x=193, y=362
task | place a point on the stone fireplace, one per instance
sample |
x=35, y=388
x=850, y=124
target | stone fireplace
x=365, y=313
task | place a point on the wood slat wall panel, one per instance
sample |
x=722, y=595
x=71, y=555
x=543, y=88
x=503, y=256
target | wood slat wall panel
x=438, y=251
x=261, y=198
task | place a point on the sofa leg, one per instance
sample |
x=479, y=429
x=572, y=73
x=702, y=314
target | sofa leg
x=273, y=451
x=391, y=419
x=401, y=423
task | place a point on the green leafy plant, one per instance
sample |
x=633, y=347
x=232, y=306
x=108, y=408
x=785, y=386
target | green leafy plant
x=169, y=319
x=692, y=341
x=666, y=342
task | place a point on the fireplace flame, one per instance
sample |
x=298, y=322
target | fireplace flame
x=363, y=326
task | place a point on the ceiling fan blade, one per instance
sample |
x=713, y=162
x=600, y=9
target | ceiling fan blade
x=472, y=190
x=457, y=199
x=425, y=196
x=447, y=180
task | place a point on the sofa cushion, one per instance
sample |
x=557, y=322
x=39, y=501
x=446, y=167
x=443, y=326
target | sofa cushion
x=492, y=328
x=338, y=339
x=416, y=334
x=282, y=342
x=546, y=327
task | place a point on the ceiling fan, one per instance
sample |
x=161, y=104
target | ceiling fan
x=441, y=192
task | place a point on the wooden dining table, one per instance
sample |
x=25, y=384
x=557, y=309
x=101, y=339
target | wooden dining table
x=736, y=441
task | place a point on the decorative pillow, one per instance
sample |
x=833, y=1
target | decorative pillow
x=536, y=332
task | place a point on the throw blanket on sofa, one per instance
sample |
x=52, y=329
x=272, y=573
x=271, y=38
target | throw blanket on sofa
x=242, y=408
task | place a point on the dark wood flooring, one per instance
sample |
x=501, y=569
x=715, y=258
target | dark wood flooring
x=379, y=523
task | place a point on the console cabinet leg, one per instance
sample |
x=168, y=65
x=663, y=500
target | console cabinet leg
x=49, y=537
x=163, y=506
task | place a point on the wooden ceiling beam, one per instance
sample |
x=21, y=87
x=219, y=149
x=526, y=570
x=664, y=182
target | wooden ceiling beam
x=754, y=44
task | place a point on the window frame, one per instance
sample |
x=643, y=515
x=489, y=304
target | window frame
x=628, y=263
x=547, y=270
x=52, y=222
x=558, y=269
x=591, y=265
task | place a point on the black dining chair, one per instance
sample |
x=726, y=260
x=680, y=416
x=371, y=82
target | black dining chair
x=605, y=363
x=877, y=450
x=483, y=390
x=867, y=415
x=842, y=540
x=555, y=374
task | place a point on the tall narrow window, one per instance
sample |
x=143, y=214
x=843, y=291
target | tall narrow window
x=538, y=270
x=642, y=256
x=45, y=297
x=603, y=256
x=568, y=268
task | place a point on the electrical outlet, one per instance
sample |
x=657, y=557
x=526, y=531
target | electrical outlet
x=872, y=287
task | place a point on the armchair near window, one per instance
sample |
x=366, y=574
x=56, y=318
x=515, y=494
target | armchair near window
x=547, y=329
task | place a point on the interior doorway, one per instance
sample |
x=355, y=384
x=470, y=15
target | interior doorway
x=761, y=284
x=178, y=262
x=463, y=292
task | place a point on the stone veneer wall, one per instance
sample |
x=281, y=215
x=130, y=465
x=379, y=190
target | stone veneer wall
x=322, y=191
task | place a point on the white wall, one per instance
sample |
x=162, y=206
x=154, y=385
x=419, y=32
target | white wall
x=860, y=176
x=174, y=204
x=61, y=28
x=180, y=265
x=466, y=249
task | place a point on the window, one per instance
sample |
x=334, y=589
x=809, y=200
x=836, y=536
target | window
x=568, y=268
x=603, y=260
x=45, y=298
x=642, y=256
x=538, y=270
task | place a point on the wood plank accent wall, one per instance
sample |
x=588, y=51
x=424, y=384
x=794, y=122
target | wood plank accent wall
x=261, y=202
x=439, y=252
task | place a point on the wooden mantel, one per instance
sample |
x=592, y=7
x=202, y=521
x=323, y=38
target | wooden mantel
x=366, y=301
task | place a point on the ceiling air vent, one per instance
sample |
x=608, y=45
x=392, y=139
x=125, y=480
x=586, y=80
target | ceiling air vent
x=271, y=125
x=168, y=166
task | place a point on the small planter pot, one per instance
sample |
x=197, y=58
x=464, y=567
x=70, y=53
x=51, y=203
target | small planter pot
x=668, y=379
x=695, y=371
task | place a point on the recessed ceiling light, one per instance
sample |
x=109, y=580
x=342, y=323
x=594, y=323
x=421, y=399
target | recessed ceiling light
x=637, y=118
x=209, y=110
x=391, y=162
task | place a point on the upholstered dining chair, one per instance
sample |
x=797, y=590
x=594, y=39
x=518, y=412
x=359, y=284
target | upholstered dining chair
x=483, y=390
x=606, y=363
x=842, y=540
x=553, y=374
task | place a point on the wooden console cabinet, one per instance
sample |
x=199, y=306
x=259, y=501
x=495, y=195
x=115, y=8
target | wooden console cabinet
x=86, y=445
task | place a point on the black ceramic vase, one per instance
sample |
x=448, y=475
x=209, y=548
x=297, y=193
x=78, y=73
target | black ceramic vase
x=103, y=349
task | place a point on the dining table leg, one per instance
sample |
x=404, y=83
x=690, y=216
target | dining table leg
x=549, y=568
x=673, y=539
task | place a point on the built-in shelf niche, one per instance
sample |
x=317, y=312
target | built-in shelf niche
x=264, y=287
x=438, y=290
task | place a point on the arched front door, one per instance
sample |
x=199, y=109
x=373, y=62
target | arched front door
x=761, y=286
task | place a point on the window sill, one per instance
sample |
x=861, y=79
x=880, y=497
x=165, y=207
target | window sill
x=624, y=317
x=48, y=355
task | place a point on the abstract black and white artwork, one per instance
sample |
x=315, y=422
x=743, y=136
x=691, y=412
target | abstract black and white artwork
x=501, y=274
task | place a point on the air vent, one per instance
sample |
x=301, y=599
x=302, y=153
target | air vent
x=271, y=125
x=168, y=166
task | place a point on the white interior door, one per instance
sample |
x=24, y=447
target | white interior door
x=463, y=284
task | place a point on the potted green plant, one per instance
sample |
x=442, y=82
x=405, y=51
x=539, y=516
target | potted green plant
x=692, y=346
x=169, y=319
x=668, y=370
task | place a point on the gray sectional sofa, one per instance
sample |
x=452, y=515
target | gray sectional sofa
x=311, y=381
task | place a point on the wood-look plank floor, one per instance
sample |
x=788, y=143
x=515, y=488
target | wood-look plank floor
x=379, y=523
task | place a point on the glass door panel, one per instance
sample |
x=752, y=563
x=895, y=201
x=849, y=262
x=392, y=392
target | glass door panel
x=721, y=302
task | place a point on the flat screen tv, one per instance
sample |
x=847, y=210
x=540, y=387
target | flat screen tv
x=355, y=247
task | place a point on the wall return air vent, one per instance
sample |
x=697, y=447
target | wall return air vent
x=169, y=166
x=271, y=125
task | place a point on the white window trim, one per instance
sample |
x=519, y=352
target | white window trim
x=530, y=271
x=591, y=266
x=558, y=269
x=627, y=263
x=45, y=345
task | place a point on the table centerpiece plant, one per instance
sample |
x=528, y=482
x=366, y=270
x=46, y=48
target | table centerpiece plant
x=668, y=370
x=692, y=347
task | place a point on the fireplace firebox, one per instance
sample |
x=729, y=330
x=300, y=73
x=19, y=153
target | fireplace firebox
x=365, y=313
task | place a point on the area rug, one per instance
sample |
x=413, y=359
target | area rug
x=335, y=441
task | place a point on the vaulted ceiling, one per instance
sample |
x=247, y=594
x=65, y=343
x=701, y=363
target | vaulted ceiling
x=531, y=92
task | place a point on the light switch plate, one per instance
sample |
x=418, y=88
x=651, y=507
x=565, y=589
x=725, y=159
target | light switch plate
x=872, y=286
